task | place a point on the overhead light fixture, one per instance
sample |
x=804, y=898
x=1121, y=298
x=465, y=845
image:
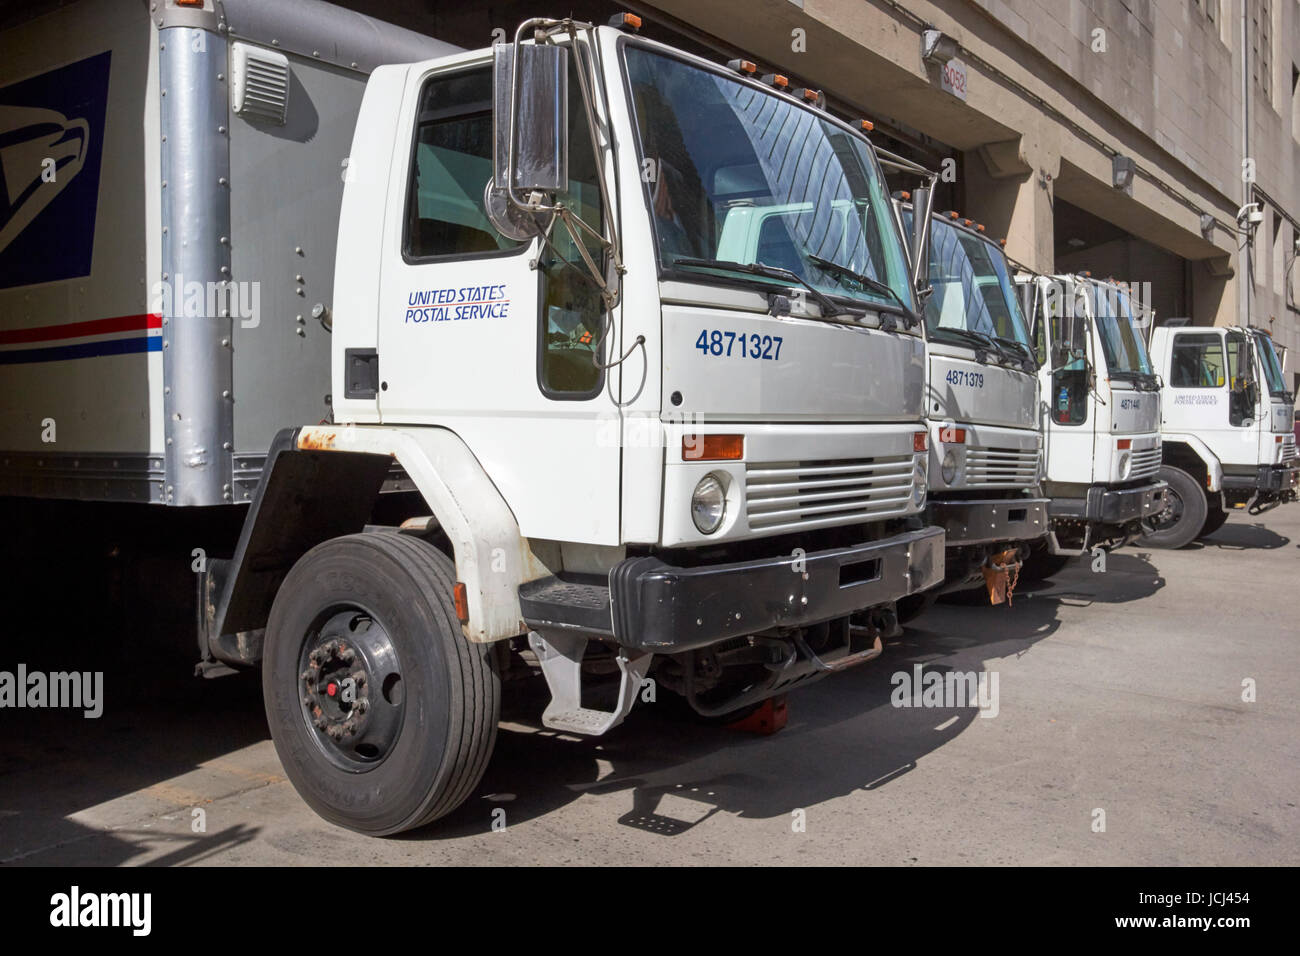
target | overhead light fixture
x=1121, y=173
x=936, y=47
x=1075, y=243
x=1207, y=225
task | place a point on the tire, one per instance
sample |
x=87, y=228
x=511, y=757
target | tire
x=1214, y=520
x=1042, y=564
x=1184, y=515
x=421, y=741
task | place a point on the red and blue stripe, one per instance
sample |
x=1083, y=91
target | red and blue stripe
x=122, y=335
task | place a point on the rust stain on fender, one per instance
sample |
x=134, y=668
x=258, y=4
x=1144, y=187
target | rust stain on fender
x=318, y=440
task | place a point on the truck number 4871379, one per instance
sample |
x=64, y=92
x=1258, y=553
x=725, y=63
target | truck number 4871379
x=739, y=344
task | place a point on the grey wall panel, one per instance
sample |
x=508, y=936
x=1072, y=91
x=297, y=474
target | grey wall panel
x=286, y=189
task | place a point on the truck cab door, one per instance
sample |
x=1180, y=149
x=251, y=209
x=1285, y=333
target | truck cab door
x=1244, y=391
x=1197, y=395
x=1068, y=417
x=491, y=337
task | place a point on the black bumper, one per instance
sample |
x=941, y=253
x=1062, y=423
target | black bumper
x=1270, y=479
x=990, y=520
x=1106, y=505
x=665, y=609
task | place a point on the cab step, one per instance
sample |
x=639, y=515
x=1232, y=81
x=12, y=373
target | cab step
x=574, y=602
x=560, y=655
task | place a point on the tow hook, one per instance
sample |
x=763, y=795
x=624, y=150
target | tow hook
x=1001, y=572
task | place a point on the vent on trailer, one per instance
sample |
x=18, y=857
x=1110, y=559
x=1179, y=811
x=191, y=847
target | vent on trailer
x=260, y=83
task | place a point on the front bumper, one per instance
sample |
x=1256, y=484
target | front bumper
x=1117, y=506
x=665, y=609
x=990, y=520
x=1269, y=479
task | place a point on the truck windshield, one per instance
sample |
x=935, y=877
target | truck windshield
x=1272, y=367
x=734, y=174
x=1126, y=353
x=972, y=288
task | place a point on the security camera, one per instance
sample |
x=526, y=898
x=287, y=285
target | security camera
x=1252, y=213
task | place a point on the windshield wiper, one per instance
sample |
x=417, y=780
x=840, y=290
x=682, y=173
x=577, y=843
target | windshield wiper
x=865, y=281
x=1029, y=359
x=828, y=306
x=986, y=345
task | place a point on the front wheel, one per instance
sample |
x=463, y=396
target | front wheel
x=383, y=714
x=1184, y=513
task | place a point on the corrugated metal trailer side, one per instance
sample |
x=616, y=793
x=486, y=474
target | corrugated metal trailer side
x=161, y=292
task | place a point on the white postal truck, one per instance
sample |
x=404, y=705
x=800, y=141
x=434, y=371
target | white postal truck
x=1100, y=410
x=981, y=407
x=634, y=458
x=1227, y=429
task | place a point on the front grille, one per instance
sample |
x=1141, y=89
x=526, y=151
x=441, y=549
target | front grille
x=1145, y=463
x=1288, y=449
x=785, y=495
x=1001, y=466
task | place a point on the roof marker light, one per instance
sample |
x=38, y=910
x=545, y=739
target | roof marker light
x=626, y=21
x=747, y=67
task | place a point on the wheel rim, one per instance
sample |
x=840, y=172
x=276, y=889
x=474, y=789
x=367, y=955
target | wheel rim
x=1171, y=513
x=350, y=688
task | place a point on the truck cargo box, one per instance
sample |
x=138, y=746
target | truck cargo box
x=169, y=193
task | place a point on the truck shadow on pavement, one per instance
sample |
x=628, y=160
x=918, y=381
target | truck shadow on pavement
x=845, y=733
x=1240, y=536
x=61, y=773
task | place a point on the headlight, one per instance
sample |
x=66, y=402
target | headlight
x=1125, y=462
x=948, y=468
x=708, y=504
x=918, y=481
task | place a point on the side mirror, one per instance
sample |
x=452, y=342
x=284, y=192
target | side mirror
x=919, y=240
x=530, y=119
x=1074, y=323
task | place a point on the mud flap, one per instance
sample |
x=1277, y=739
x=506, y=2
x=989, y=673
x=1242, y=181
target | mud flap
x=1001, y=572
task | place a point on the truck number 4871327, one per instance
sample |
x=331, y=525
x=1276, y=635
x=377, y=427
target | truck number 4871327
x=739, y=344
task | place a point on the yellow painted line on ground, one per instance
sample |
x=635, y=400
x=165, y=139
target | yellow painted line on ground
x=244, y=772
x=176, y=795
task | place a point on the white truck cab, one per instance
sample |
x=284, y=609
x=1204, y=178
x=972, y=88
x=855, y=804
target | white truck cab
x=643, y=448
x=982, y=396
x=1100, y=414
x=1227, y=428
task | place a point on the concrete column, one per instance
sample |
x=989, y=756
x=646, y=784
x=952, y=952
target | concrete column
x=1008, y=188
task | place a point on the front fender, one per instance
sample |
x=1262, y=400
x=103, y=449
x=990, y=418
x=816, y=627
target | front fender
x=1213, y=467
x=492, y=558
